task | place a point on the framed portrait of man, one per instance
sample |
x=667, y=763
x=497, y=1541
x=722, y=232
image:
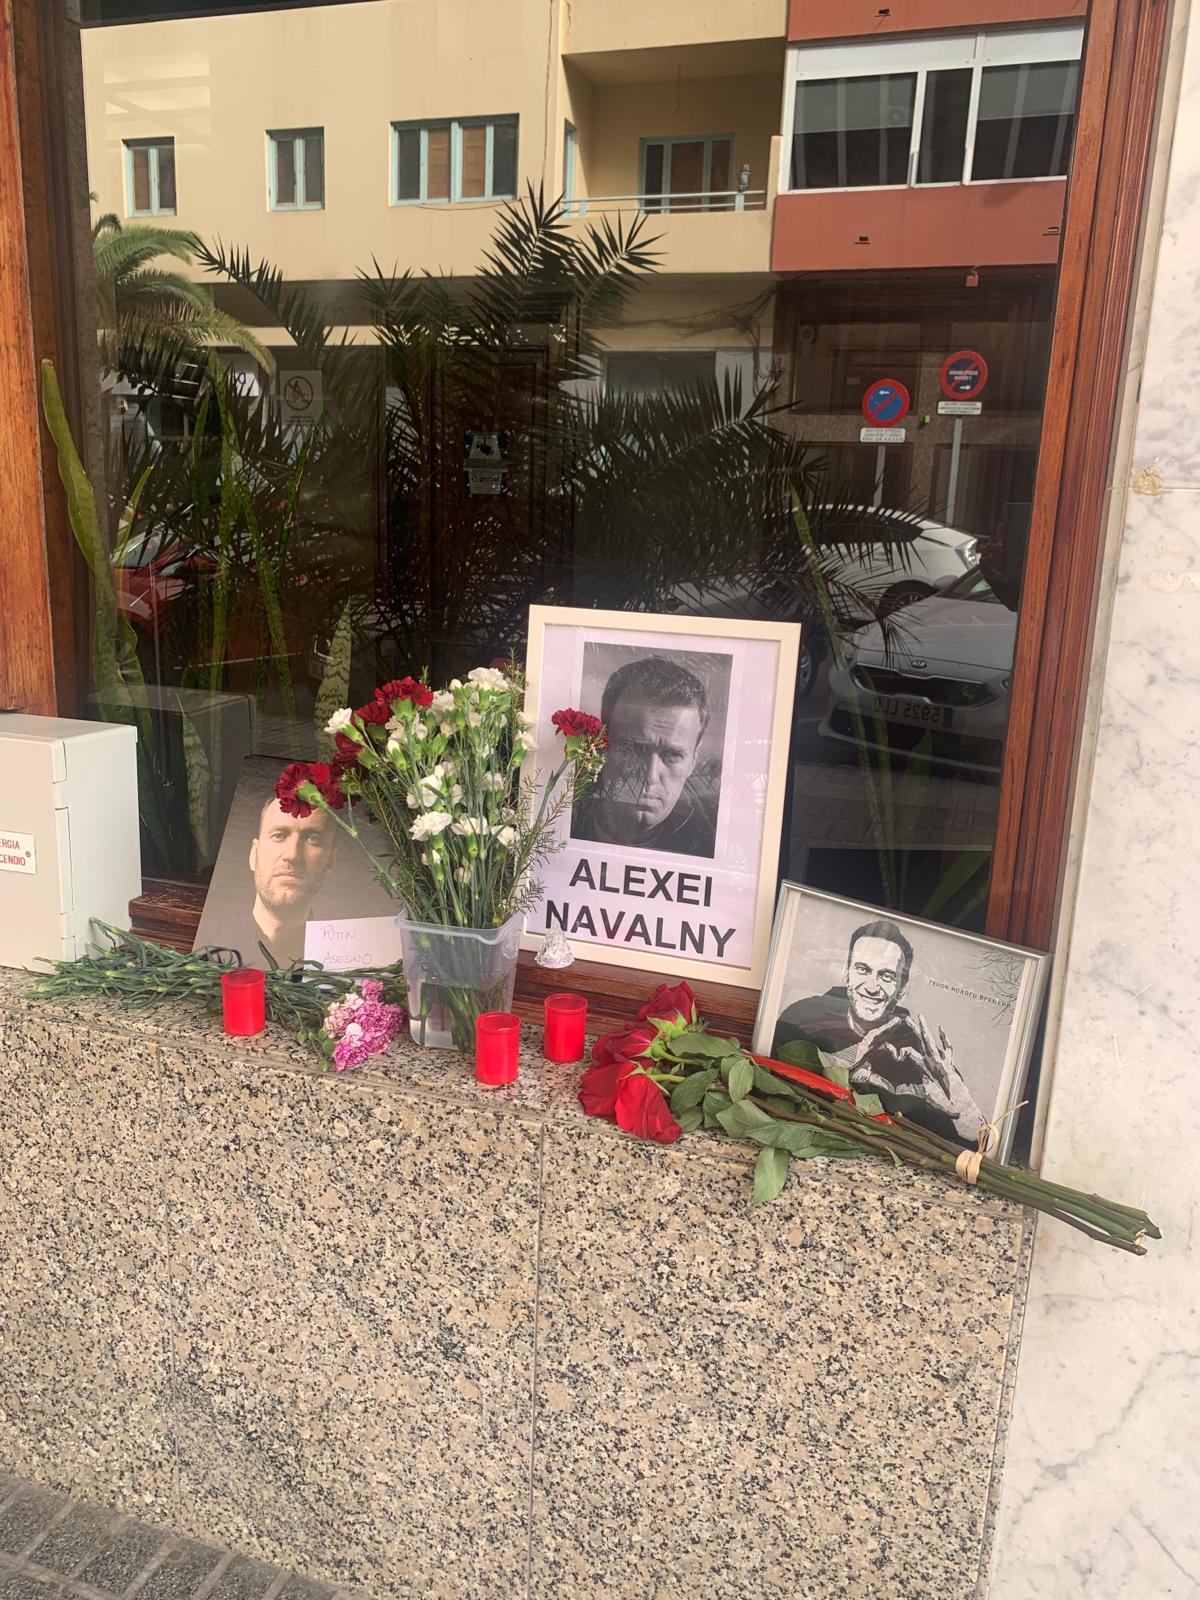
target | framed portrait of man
x=668, y=859
x=937, y=1022
x=294, y=885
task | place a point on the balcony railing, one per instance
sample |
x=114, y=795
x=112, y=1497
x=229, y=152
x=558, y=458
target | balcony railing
x=706, y=200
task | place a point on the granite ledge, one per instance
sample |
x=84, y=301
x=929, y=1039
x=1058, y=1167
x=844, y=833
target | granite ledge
x=544, y=1092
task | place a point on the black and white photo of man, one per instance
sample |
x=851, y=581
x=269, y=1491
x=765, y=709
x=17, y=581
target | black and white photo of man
x=288, y=860
x=651, y=794
x=888, y=1050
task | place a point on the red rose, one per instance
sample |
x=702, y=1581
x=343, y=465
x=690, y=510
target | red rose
x=374, y=711
x=613, y=1048
x=575, y=724
x=404, y=689
x=670, y=1000
x=323, y=777
x=598, y=1090
x=641, y=1109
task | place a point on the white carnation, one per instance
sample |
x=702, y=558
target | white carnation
x=495, y=782
x=456, y=683
x=456, y=794
x=527, y=719
x=446, y=729
x=474, y=720
x=524, y=743
x=411, y=799
x=339, y=720
x=393, y=724
x=471, y=827
x=504, y=835
x=429, y=824
x=462, y=873
x=419, y=730
x=442, y=701
x=487, y=678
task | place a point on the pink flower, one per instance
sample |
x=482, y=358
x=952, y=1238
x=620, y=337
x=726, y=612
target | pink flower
x=362, y=1025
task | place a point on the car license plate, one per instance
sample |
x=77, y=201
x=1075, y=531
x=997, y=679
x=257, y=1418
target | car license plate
x=896, y=709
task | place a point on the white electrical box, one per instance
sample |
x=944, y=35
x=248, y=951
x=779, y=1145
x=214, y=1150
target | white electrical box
x=69, y=848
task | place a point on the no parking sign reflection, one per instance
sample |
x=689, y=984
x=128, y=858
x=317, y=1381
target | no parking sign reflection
x=885, y=403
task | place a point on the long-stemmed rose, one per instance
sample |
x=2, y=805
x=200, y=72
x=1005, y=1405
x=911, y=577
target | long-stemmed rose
x=666, y=1075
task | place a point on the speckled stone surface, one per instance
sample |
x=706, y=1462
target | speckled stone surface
x=418, y=1337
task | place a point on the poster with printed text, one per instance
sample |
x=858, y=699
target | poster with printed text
x=668, y=859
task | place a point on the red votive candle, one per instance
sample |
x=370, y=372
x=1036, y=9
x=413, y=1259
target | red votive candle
x=497, y=1039
x=566, y=1024
x=244, y=1000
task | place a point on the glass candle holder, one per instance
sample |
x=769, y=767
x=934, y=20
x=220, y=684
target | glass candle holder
x=566, y=1025
x=497, y=1040
x=244, y=1000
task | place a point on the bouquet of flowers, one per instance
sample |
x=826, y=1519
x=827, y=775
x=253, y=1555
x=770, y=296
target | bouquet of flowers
x=440, y=772
x=666, y=1075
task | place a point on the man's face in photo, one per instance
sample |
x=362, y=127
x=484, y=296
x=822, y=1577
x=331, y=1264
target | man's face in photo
x=652, y=750
x=290, y=857
x=875, y=980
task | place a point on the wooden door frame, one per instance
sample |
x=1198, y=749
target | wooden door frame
x=45, y=608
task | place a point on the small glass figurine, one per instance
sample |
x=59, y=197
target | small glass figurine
x=554, y=952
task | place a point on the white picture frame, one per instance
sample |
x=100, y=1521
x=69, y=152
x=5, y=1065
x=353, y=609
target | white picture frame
x=980, y=998
x=717, y=847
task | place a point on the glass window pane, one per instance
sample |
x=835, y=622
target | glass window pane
x=285, y=171
x=504, y=159
x=166, y=175
x=653, y=180
x=437, y=164
x=687, y=172
x=139, y=166
x=944, y=126
x=474, y=162
x=853, y=132
x=408, y=163
x=1026, y=120
x=720, y=175
x=314, y=168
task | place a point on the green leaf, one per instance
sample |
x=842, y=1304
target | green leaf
x=834, y=1070
x=335, y=683
x=691, y=1091
x=770, y=1083
x=804, y=1141
x=800, y=1053
x=741, y=1078
x=691, y=1119
x=714, y=1105
x=695, y=1043
x=870, y=1104
x=776, y=1103
x=770, y=1174
x=741, y=1120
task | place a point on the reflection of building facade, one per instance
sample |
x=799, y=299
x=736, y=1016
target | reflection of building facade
x=901, y=188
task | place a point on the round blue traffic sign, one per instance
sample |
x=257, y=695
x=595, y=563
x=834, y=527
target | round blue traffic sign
x=885, y=403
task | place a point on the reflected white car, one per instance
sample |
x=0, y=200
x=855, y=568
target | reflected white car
x=896, y=573
x=941, y=690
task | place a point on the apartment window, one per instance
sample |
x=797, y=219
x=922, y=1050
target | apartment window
x=150, y=177
x=963, y=108
x=570, y=142
x=684, y=174
x=463, y=159
x=296, y=158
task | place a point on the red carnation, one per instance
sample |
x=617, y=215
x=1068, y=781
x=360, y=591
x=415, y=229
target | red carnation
x=404, y=689
x=346, y=750
x=670, y=1000
x=323, y=777
x=580, y=724
x=374, y=711
x=642, y=1109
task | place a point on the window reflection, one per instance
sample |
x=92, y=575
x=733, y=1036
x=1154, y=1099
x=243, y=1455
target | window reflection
x=342, y=446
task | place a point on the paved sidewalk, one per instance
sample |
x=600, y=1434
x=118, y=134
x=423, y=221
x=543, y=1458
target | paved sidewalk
x=51, y=1546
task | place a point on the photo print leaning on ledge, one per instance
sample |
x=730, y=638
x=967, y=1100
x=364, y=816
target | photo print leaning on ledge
x=288, y=883
x=667, y=862
x=936, y=1022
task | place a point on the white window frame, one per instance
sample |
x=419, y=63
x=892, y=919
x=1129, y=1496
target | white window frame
x=922, y=54
x=296, y=137
x=456, y=126
x=155, y=143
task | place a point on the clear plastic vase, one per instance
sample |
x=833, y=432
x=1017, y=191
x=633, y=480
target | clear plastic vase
x=453, y=975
